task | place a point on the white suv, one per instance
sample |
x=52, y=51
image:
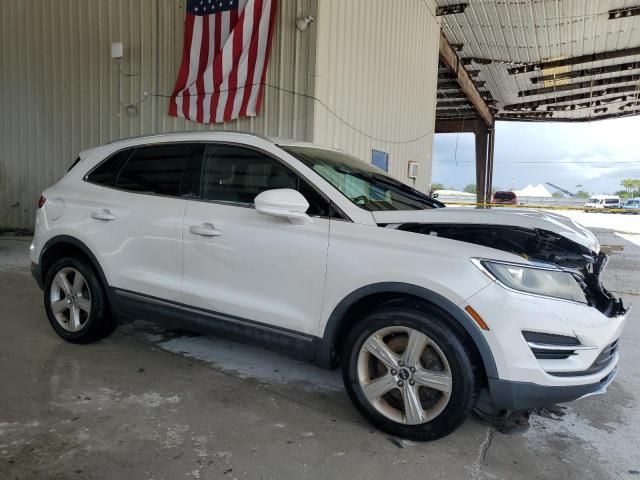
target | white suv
x=309, y=251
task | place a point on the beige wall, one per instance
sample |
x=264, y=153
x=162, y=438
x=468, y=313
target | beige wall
x=60, y=92
x=59, y=85
x=376, y=69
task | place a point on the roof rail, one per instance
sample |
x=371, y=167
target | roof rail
x=168, y=134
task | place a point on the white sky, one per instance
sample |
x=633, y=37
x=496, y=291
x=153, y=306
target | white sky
x=596, y=155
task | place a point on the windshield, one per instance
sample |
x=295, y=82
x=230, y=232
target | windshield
x=594, y=200
x=366, y=186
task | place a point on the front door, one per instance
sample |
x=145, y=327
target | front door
x=240, y=263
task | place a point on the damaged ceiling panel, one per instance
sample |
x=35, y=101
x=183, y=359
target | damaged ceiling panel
x=571, y=60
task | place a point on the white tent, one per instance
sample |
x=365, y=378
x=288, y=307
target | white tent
x=531, y=191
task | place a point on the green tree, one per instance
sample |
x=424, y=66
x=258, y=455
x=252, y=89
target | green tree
x=631, y=186
x=582, y=194
x=623, y=194
x=471, y=188
x=437, y=186
x=558, y=194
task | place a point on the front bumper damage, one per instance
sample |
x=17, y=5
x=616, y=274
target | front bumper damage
x=511, y=395
x=598, y=296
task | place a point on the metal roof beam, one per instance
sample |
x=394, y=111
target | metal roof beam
x=514, y=116
x=453, y=108
x=453, y=95
x=452, y=101
x=565, y=62
x=592, y=103
x=451, y=9
x=569, y=98
x=458, y=125
x=624, y=12
x=587, y=72
x=447, y=75
x=576, y=86
x=449, y=57
x=590, y=118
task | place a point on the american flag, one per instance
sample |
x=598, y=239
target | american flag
x=224, y=59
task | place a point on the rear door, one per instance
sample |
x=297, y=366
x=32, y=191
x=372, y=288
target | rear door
x=134, y=223
x=249, y=266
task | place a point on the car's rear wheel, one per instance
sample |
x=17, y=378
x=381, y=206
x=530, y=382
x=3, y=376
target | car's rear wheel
x=75, y=302
x=408, y=373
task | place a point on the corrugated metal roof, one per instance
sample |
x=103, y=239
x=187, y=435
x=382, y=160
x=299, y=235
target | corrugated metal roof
x=499, y=35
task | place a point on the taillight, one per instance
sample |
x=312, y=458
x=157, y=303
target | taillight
x=41, y=201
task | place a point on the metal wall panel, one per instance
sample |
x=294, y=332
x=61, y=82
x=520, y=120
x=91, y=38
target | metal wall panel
x=61, y=92
x=376, y=76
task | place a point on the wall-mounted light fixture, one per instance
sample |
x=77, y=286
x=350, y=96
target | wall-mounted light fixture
x=302, y=23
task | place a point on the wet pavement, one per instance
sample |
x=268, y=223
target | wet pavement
x=146, y=403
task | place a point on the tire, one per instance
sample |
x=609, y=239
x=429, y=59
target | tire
x=447, y=354
x=77, y=309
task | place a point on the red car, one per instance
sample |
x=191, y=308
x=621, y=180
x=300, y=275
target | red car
x=505, y=198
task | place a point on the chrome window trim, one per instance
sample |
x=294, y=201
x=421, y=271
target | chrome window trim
x=85, y=178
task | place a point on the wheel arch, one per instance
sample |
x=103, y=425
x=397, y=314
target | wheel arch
x=65, y=245
x=350, y=310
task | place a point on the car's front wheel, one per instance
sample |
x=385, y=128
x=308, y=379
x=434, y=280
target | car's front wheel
x=75, y=301
x=409, y=373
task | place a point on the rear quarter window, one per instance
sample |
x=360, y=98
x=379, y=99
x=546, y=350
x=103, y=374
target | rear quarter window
x=106, y=173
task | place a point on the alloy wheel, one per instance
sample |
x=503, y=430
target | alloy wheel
x=70, y=299
x=404, y=375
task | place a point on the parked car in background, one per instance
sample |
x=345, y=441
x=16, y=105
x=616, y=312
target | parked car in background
x=632, y=205
x=505, y=198
x=314, y=253
x=602, y=202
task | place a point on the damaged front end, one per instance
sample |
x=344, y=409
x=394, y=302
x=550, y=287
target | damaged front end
x=537, y=245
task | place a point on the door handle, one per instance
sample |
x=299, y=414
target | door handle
x=205, y=230
x=103, y=214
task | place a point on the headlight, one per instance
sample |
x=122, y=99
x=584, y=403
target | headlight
x=537, y=280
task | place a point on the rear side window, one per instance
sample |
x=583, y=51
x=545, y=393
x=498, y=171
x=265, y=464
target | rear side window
x=167, y=169
x=155, y=169
x=611, y=201
x=106, y=173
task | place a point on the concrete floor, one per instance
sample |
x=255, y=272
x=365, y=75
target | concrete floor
x=150, y=404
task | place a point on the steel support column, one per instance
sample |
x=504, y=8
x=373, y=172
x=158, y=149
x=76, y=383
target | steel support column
x=481, y=134
x=489, y=180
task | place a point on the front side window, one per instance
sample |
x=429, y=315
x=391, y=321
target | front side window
x=236, y=175
x=364, y=185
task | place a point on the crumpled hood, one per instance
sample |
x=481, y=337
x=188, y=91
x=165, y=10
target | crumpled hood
x=526, y=218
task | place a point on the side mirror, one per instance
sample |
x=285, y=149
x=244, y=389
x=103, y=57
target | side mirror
x=284, y=202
